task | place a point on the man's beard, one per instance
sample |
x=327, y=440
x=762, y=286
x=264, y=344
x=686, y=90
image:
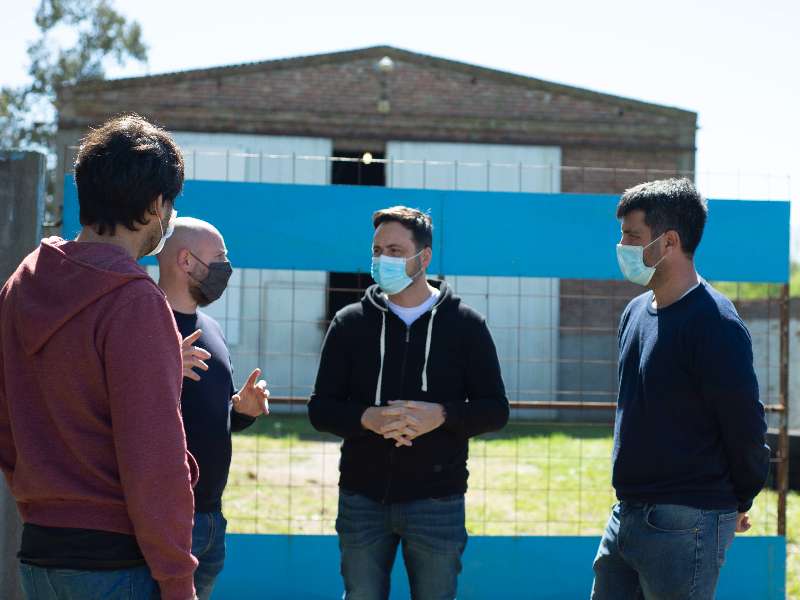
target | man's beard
x=197, y=294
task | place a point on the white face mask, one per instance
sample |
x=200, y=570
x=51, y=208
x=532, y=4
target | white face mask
x=164, y=234
x=631, y=262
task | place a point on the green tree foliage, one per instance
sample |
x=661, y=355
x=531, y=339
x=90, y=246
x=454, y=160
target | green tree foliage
x=77, y=40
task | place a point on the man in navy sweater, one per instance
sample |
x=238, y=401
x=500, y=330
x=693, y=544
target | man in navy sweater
x=194, y=271
x=689, y=448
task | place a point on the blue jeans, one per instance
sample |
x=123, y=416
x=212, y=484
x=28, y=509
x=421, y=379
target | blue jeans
x=433, y=539
x=662, y=552
x=208, y=546
x=40, y=583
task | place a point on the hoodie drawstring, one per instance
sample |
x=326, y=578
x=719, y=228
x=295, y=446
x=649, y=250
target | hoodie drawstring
x=428, y=338
x=383, y=354
x=427, y=351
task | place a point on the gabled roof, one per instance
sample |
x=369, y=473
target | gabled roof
x=377, y=52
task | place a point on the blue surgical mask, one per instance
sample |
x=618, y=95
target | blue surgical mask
x=631, y=262
x=389, y=272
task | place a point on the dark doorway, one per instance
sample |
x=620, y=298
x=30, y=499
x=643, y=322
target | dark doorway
x=346, y=288
x=358, y=172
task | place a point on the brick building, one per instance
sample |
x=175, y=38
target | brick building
x=337, y=96
x=404, y=106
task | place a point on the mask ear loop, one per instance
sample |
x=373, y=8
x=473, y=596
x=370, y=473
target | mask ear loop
x=663, y=256
x=655, y=240
x=189, y=273
x=419, y=271
x=658, y=262
x=170, y=224
x=160, y=226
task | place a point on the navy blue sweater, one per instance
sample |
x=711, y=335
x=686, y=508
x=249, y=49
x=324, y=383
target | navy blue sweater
x=207, y=414
x=689, y=426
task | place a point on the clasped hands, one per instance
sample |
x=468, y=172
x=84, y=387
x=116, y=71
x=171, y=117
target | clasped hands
x=403, y=420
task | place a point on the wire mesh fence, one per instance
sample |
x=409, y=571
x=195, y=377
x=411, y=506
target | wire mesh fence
x=549, y=471
x=531, y=479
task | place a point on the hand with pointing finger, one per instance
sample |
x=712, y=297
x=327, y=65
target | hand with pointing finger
x=193, y=356
x=253, y=399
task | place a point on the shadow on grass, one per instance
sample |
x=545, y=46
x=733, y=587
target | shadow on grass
x=298, y=426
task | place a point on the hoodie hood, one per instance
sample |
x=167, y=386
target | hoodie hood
x=377, y=298
x=60, y=279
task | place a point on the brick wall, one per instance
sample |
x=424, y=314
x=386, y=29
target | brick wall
x=335, y=96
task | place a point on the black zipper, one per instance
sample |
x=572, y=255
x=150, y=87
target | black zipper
x=393, y=449
x=405, y=357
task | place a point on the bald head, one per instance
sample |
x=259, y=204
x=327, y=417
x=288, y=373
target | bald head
x=193, y=235
x=193, y=246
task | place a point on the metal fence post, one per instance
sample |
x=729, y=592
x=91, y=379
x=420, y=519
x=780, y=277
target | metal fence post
x=22, y=196
x=783, y=430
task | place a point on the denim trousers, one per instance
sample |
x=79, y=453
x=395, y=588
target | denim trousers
x=662, y=552
x=208, y=546
x=431, y=533
x=41, y=583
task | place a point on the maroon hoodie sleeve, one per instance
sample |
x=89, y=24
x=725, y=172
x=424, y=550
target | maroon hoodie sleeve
x=8, y=454
x=143, y=365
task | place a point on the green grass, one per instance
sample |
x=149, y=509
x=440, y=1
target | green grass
x=529, y=479
x=752, y=291
x=760, y=291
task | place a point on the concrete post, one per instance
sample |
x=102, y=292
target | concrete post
x=22, y=195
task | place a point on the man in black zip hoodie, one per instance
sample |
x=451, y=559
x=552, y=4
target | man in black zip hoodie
x=406, y=377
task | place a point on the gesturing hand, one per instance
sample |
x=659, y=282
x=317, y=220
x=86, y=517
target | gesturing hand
x=253, y=399
x=193, y=356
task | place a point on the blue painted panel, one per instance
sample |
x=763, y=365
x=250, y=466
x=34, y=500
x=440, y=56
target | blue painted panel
x=571, y=236
x=278, y=567
x=71, y=217
x=328, y=228
x=746, y=240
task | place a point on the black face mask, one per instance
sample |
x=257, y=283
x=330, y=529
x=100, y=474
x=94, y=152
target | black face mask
x=213, y=285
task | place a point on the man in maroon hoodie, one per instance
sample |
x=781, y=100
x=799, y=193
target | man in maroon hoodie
x=91, y=439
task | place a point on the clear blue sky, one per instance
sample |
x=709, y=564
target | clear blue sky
x=732, y=61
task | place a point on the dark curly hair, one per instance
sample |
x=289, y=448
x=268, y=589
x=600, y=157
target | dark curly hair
x=669, y=205
x=121, y=168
